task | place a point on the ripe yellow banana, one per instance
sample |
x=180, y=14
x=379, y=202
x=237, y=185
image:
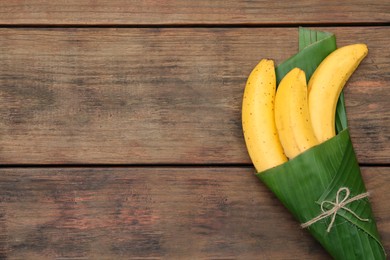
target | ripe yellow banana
x=292, y=114
x=326, y=85
x=258, y=121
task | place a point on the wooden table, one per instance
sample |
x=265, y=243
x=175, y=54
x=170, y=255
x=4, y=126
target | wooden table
x=120, y=130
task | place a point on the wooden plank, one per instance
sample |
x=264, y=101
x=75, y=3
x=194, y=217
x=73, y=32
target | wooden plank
x=153, y=213
x=139, y=96
x=115, y=12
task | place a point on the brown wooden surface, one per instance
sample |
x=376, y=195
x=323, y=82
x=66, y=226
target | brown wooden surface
x=192, y=12
x=153, y=213
x=151, y=91
x=137, y=96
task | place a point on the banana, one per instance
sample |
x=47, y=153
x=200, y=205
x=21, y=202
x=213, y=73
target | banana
x=326, y=85
x=292, y=114
x=258, y=121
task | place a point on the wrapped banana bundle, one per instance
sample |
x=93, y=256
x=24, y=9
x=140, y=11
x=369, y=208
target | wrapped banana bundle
x=296, y=133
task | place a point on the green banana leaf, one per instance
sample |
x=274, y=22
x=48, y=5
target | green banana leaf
x=305, y=182
x=315, y=176
x=314, y=46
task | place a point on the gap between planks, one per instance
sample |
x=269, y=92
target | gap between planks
x=155, y=165
x=200, y=25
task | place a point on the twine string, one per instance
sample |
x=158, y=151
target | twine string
x=340, y=203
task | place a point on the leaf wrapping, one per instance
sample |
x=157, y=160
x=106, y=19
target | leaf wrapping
x=316, y=175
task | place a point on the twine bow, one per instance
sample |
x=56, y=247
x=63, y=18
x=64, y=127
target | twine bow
x=339, y=204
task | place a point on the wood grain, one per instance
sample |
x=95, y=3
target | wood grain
x=152, y=12
x=139, y=96
x=154, y=213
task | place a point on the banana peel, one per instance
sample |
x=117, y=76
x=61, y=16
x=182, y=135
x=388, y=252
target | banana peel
x=305, y=182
